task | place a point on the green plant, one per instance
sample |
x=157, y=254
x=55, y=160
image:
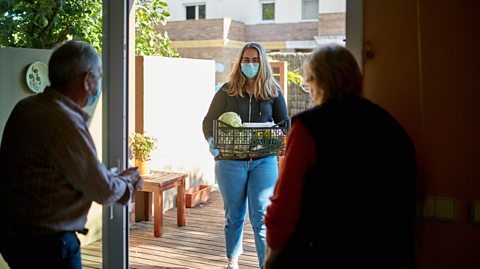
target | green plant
x=43, y=24
x=150, y=14
x=294, y=77
x=142, y=146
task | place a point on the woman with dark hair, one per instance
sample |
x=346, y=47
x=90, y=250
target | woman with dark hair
x=345, y=194
x=252, y=92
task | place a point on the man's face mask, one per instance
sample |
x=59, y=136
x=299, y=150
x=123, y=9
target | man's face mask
x=92, y=99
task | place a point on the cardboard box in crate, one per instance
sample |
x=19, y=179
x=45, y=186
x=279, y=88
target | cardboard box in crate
x=197, y=195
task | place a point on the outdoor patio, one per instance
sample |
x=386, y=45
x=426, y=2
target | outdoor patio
x=199, y=244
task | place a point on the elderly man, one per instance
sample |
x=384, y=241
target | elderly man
x=49, y=170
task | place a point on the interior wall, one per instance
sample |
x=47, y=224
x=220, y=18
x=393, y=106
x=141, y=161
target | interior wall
x=13, y=65
x=424, y=72
x=392, y=77
x=449, y=60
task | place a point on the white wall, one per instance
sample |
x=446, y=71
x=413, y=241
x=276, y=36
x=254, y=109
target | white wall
x=287, y=11
x=244, y=10
x=177, y=94
x=249, y=11
x=13, y=64
x=332, y=6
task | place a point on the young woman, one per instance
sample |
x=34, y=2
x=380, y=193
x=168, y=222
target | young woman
x=252, y=92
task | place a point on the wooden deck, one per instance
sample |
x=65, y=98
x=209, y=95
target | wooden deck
x=199, y=244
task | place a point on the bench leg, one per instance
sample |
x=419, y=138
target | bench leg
x=147, y=206
x=181, y=212
x=158, y=213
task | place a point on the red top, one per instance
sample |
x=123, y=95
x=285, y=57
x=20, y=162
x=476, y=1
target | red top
x=284, y=212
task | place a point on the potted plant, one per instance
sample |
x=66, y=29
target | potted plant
x=141, y=147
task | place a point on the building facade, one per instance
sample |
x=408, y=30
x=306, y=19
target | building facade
x=216, y=29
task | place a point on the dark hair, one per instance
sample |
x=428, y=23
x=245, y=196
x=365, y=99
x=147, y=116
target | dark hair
x=71, y=60
x=333, y=69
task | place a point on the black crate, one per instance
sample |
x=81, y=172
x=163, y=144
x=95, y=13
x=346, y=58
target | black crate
x=249, y=142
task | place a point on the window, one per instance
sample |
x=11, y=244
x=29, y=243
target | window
x=268, y=11
x=195, y=12
x=309, y=9
x=201, y=11
x=191, y=12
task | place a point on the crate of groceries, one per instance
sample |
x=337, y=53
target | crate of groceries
x=235, y=140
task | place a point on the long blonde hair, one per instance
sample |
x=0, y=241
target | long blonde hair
x=265, y=85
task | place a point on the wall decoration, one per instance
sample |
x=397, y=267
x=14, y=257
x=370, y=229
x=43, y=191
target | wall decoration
x=37, y=77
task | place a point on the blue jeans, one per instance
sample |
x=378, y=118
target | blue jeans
x=60, y=250
x=251, y=181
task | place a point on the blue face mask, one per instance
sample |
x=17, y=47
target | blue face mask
x=250, y=70
x=92, y=99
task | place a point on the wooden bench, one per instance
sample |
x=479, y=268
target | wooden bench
x=157, y=183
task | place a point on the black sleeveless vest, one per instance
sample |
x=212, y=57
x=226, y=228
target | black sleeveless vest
x=358, y=199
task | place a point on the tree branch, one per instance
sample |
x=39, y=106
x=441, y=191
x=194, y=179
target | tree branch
x=55, y=12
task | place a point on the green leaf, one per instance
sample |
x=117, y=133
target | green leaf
x=23, y=24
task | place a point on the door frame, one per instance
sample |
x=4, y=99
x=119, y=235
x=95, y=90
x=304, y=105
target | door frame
x=115, y=231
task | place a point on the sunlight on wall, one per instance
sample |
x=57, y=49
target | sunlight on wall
x=177, y=94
